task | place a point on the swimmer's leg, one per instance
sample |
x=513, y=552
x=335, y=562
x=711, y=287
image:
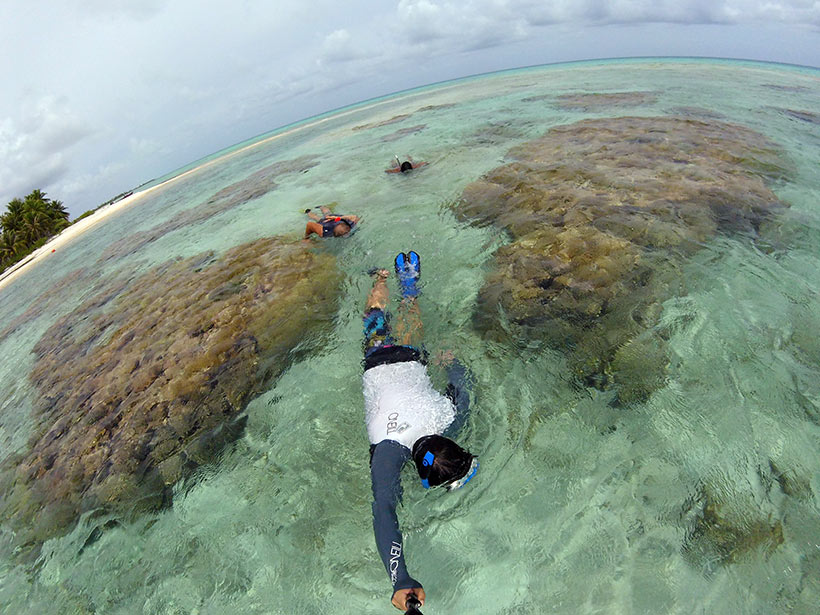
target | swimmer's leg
x=409, y=330
x=379, y=295
x=376, y=319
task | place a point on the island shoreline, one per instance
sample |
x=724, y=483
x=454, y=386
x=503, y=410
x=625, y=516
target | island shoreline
x=81, y=226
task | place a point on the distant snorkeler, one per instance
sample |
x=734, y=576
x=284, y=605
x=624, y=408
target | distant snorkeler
x=407, y=418
x=328, y=224
x=403, y=167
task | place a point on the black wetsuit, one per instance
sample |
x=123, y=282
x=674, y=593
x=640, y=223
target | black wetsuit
x=329, y=223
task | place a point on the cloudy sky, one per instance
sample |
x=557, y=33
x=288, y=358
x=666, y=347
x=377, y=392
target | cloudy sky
x=99, y=96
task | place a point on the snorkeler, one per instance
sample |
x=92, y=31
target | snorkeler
x=407, y=418
x=403, y=167
x=328, y=224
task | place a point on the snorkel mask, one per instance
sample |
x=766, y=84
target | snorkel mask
x=427, y=461
x=458, y=484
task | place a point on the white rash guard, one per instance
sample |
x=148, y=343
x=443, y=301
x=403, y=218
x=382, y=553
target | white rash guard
x=402, y=405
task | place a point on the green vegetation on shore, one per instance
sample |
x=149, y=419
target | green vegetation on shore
x=119, y=197
x=27, y=224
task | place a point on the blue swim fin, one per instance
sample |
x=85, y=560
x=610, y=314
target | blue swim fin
x=408, y=269
x=415, y=262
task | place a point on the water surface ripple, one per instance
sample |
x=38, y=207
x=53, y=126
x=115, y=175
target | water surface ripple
x=696, y=493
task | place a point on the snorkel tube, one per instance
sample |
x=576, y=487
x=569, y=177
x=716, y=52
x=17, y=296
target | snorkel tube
x=412, y=605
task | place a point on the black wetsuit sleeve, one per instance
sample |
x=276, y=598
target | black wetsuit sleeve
x=385, y=473
x=458, y=392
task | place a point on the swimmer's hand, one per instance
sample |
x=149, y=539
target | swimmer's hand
x=400, y=597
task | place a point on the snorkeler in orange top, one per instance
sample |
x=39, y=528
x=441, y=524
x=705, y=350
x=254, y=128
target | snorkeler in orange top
x=328, y=224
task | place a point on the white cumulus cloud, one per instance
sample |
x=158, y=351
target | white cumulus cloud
x=36, y=145
x=100, y=95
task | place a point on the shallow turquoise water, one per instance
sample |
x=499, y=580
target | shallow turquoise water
x=580, y=506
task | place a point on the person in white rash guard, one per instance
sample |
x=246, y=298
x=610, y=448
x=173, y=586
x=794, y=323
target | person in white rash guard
x=406, y=417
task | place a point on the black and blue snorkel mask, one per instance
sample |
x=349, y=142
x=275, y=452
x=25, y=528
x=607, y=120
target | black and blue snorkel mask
x=458, y=484
x=427, y=463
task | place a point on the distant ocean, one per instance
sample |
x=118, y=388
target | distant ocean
x=700, y=494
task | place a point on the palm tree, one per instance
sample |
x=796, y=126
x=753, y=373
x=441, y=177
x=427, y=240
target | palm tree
x=12, y=219
x=58, y=211
x=27, y=223
x=8, y=250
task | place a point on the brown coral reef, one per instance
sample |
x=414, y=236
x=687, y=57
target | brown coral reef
x=601, y=214
x=403, y=132
x=146, y=380
x=590, y=102
x=727, y=529
x=254, y=186
x=393, y=120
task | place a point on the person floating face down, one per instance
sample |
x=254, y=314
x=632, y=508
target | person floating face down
x=329, y=225
x=403, y=167
x=407, y=418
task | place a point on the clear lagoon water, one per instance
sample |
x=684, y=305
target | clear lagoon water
x=581, y=505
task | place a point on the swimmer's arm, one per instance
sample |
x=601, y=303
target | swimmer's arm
x=458, y=392
x=313, y=227
x=385, y=474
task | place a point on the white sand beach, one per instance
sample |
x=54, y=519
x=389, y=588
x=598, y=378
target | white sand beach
x=71, y=233
x=77, y=229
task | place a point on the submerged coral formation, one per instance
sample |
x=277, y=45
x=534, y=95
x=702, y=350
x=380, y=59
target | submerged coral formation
x=794, y=89
x=146, y=379
x=601, y=214
x=403, y=132
x=393, y=120
x=698, y=113
x=588, y=102
x=727, y=528
x=436, y=107
x=492, y=133
x=804, y=116
x=400, y=118
x=53, y=295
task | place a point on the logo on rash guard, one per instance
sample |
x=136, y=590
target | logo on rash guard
x=392, y=421
x=395, y=554
x=393, y=424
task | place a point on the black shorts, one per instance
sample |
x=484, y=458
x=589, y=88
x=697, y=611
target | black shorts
x=379, y=346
